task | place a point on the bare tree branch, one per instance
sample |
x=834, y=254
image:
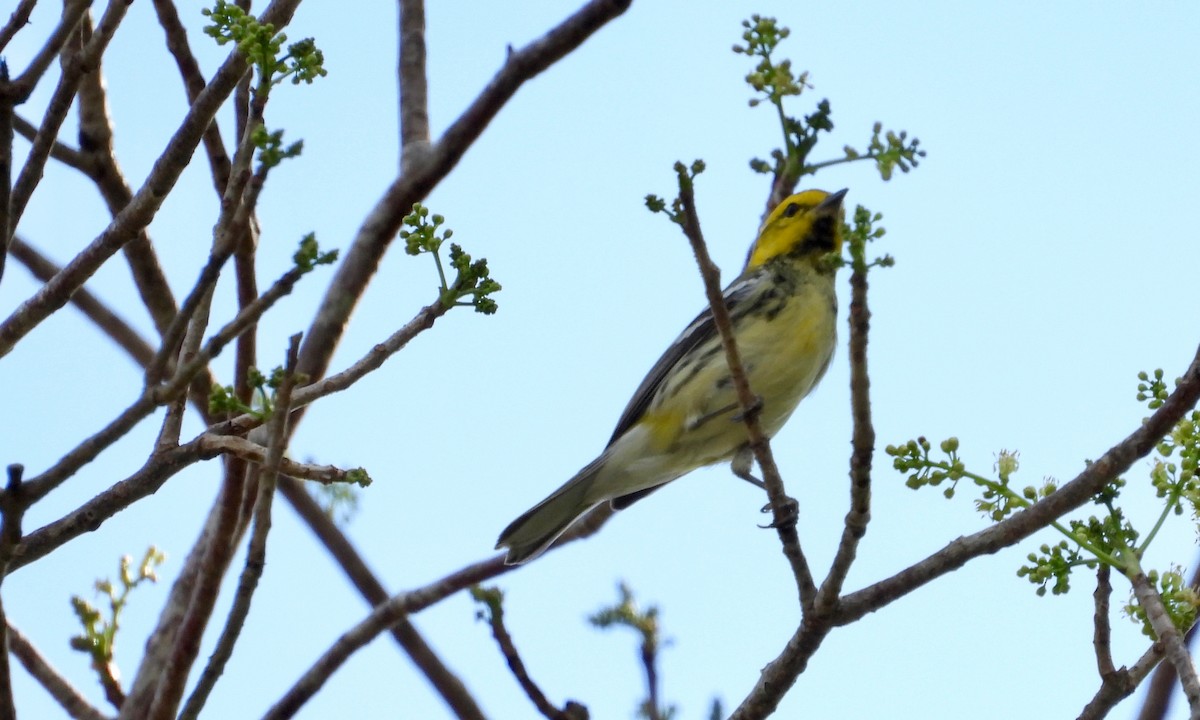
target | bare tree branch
x=121, y=332
x=18, y=20
x=59, y=151
x=1102, y=636
x=256, y=557
x=399, y=607
x=1158, y=695
x=71, y=700
x=92, y=514
x=8, y=227
x=373, y=360
x=494, y=615
x=251, y=451
x=233, y=217
x=414, y=88
x=863, y=442
x=176, y=640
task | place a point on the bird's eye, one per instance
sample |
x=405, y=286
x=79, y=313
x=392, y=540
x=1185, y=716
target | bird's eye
x=791, y=210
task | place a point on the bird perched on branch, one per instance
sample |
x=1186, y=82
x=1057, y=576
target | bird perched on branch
x=685, y=414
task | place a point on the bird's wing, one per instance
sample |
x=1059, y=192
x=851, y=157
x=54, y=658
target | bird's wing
x=701, y=330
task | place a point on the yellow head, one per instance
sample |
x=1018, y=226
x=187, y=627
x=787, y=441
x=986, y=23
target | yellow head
x=807, y=225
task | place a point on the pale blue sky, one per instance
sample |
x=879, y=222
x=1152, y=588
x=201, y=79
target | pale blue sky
x=1045, y=254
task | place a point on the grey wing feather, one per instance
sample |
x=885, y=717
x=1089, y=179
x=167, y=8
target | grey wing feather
x=697, y=332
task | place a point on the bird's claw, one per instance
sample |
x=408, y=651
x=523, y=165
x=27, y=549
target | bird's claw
x=787, y=517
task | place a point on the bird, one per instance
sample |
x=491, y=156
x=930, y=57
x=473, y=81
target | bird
x=685, y=413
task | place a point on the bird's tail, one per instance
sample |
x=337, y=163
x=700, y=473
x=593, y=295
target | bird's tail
x=529, y=535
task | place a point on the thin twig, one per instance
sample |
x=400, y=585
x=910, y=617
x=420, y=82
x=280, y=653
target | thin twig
x=863, y=441
x=232, y=217
x=373, y=360
x=246, y=319
x=251, y=451
x=495, y=620
x=176, y=403
x=653, y=708
x=782, y=507
x=1102, y=635
x=71, y=700
x=8, y=227
x=256, y=556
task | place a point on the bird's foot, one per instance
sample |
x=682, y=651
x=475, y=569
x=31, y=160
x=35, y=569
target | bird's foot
x=788, y=517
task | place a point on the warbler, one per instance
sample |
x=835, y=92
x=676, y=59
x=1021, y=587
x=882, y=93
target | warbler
x=686, y=414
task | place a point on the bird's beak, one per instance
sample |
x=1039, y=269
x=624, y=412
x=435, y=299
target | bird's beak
x=833, y=201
